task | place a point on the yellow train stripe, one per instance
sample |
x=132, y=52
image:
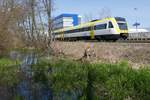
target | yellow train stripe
x=83, y=25
x=115, y=25
x=92, y=34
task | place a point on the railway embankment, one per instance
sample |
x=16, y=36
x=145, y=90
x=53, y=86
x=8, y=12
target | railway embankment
x=137, y=54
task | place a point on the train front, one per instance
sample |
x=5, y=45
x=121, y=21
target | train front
x=123, y=27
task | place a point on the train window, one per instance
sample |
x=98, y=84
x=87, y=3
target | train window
x=120, y=19
x=87, y=28
x=111, y=25
x=76, y=30
x=101, y=26
x=72, y=31
x=123, y=26
x=66, y=32
x=56, y=33
x=79, y=30
x=82, y=29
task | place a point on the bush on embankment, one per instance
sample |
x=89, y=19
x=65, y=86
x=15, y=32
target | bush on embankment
x=8, y=72
x=9, y=78
x=71, y=79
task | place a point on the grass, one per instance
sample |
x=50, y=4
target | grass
x=64, y=76
x=83, y=81
x=8, y=72
x=101, y=81
x=9, y=77
x=7, y=62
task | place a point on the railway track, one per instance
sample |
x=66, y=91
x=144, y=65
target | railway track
x=135, y=41
x=120, y=41
x=139, y=37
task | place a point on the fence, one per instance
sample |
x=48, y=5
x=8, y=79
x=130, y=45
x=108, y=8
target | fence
x=139, y=36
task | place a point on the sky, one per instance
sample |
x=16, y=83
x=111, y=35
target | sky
x=121, y=8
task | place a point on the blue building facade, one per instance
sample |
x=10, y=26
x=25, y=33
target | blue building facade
x=66, y=20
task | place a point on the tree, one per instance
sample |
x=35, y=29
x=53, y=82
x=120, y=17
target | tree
x=48, y=7
x=26, y=20
x=11, y=14
x=88, y=17
x=105, y=13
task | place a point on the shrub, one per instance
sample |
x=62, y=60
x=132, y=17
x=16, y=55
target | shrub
x=71, y=79
x=8, y=72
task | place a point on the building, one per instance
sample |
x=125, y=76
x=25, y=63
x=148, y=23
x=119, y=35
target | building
x=139, y=34
x=138, y=30
x=148, y=29
x=66, y=20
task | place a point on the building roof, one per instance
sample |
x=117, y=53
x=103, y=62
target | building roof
x=137, y=30
x=65, y=15
x=74, y=16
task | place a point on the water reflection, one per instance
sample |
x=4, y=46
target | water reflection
x=28, y=89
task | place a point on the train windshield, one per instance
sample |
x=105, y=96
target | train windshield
x=123, y=26
x=121, y=23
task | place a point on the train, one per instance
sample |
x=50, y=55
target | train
x=112, y=28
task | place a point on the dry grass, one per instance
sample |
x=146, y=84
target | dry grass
x=137, y=54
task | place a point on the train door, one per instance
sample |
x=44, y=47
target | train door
x=110, y=26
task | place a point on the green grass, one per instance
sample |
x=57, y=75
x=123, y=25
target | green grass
x=10, y=77
x=7, y=62
x=8, y=72
x=99, y=81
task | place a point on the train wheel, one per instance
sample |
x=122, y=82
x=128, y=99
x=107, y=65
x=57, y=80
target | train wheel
x=99, y=38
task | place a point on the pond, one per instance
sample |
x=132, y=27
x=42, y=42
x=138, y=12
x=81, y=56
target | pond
x=27, y=88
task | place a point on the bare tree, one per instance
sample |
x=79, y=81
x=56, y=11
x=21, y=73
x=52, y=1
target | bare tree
x=48, y=7
x=88, y=17
x=32, y=4
x=26, y=20
x=104, y=13
x=11, y=14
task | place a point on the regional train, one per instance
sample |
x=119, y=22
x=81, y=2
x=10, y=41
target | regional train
x=113, y=28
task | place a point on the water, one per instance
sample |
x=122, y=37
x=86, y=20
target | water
x=28, y=89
